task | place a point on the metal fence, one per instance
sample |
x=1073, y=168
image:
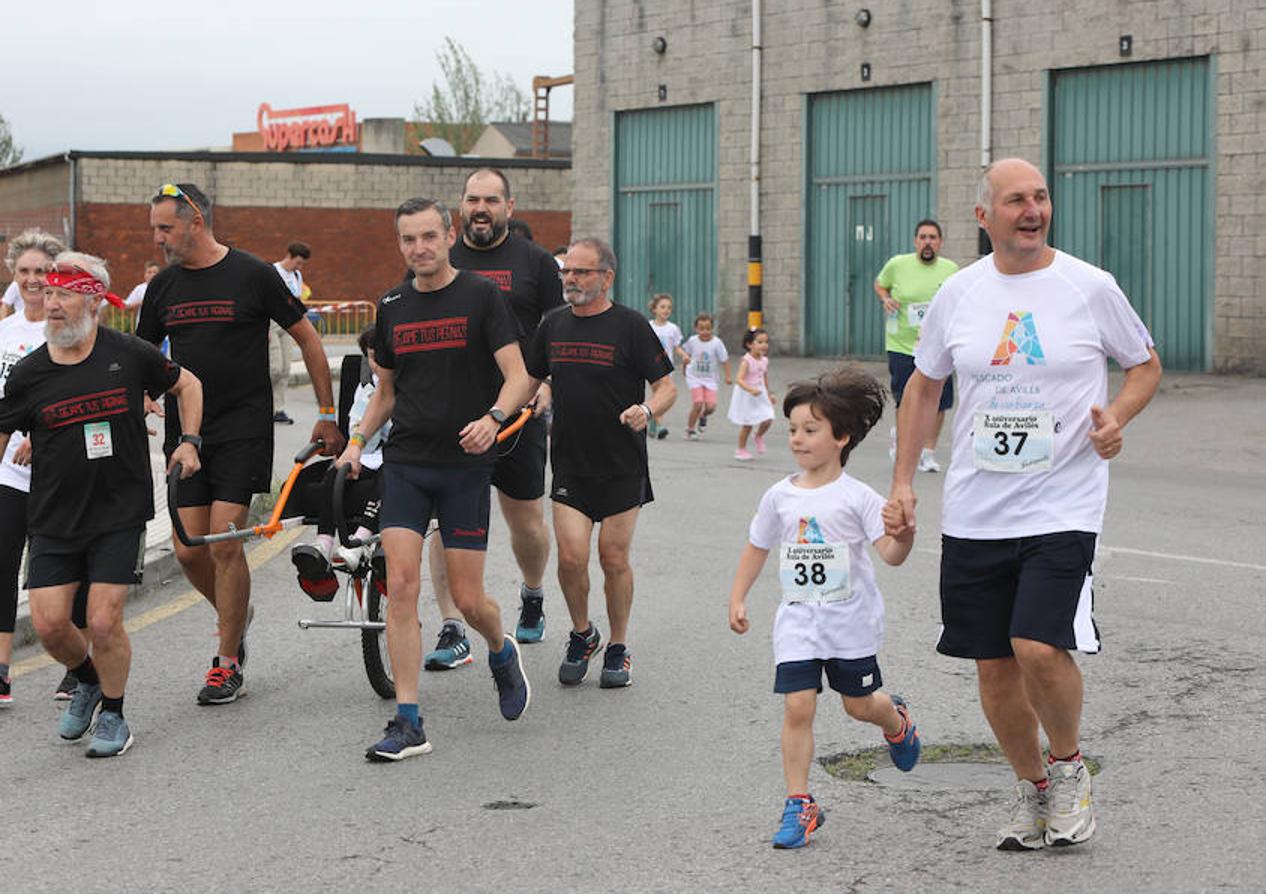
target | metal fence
x=337, y=318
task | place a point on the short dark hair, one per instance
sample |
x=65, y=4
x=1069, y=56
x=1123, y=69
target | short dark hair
x=418, y=205
x=849, y=398
x=561, y=250
x=929, y=222
x=750, y=336
x=366, y=339
x=505, y=181
x=703, y=317
x=195, y=195
x=299, y=250
x=519, y=228
x=656, y=298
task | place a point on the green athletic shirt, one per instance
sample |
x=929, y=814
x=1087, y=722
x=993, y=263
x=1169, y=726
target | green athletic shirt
x=912, y=283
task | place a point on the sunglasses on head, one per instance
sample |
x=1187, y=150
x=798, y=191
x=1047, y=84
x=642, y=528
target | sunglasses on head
x=172, y=191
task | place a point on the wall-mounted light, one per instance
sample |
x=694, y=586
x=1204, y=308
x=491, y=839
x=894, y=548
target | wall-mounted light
x=663, y=93
x=659, y=45
x=865, y=71
x=1125, y=43
x=862, y=18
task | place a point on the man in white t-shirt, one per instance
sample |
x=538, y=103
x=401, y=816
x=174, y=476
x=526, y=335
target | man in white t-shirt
x=136, y=297
x=290, y=269
x=1027, y=330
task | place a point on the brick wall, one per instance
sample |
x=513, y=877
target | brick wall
x=39, y=196
x=811, y=46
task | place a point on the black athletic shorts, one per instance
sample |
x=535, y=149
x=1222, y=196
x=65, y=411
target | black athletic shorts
x=520, y=469
x=854, y=677
x=600, y=498
x=114, y=558
x=901, y=368
x=459, y=497
x=1036, y=588
x=232, y=472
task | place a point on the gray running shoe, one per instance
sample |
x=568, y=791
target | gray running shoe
x=112, y=736
x=77, y=718
x=66, y=688
x=580, y=648
x=1070, y=817
x=615, y=667
x=1025, y=830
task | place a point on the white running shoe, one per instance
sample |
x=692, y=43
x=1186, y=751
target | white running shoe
x=1070, y=817
x=352, y=556
x=892, y=443
x=1025, y=830
x=927, y=462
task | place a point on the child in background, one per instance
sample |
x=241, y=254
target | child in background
x=831, y=616
x=703, y=353
x=669, y=336
x=751, y=404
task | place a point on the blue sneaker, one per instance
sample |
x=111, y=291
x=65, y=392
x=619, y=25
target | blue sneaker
x=112, y=736
x=905, y=751
x=451, y=650
x=402, y=740
x=77, y=718
x=801, y=817
x=531, y=619
x=513, y=690
x=580, y=648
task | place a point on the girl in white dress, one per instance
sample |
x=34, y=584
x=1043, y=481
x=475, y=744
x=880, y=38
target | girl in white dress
x=751, y=404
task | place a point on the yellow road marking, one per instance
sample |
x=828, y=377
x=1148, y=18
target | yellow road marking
x=254, y=559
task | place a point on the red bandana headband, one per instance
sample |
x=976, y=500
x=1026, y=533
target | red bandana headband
x=81, y=282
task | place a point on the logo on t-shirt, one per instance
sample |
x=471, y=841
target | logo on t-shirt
x=85, y=407
x=429, y=335
x=502, y=279
x=200, y=312
x=1019, y=337
x=809, y=531
x=582, y=352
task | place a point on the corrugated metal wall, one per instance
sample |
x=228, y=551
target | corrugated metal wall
x=871, y=158
x=665, y=208
x=1131, y=154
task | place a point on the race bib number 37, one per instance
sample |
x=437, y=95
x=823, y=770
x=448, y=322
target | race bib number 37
x=814, y=572
x=1013, y=441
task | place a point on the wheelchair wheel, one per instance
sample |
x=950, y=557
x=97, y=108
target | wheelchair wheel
x=373, y=643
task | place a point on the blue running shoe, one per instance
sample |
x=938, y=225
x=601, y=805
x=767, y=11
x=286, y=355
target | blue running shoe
x=77, y=718
x=904, y=751
x=402, y=740
x=451, y=650
x=801, y=817
x=616, y=664
x=580, y=648
x=531, y=619
x=112, y=736
x=513, y=690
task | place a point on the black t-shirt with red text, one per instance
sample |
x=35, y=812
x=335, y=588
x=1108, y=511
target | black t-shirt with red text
x=600, y=366
x=439, y=346
x=526, y=274
x=217, y=319
x=90, y=468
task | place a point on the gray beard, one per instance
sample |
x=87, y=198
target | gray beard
x=69, y=335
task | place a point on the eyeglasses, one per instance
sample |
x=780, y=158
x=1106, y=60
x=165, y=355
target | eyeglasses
x=580, y=271
x=172, y=191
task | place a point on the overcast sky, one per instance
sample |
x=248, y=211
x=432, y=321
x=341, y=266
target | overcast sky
x=139, y=75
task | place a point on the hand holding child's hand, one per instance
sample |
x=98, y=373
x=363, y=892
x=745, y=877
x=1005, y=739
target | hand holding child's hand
x=738, y=618
x=895, y=522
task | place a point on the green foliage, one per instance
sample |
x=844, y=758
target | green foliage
x=468, y=99
x=10, y=153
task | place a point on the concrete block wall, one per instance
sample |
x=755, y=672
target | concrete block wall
x=811, y=46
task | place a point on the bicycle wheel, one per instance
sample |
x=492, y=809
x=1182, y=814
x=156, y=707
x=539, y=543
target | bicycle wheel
x=373, y=643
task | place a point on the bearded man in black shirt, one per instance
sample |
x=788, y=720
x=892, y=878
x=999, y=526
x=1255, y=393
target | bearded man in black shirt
x=215, y=304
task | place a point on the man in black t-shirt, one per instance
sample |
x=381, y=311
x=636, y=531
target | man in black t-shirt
x=215, y=303
x=600, y=355
x=81, y=396
x=528, y=280
x=450, y=371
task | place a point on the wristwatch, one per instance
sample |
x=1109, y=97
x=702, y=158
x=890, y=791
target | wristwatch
x=195, y=440
x=497, y=416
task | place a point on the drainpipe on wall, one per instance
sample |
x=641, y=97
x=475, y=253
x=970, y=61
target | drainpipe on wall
x=71, y=222
x=755, y=316
x=986, y=102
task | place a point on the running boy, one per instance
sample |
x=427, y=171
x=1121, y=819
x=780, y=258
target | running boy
x=702, y=354
x=831, y=616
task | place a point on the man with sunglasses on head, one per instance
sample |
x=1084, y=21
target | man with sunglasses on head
x=215, y=304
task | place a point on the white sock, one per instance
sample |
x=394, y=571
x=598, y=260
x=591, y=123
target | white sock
x=325, y=543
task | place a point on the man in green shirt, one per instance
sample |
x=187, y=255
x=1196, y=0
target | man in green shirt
x=905, y=287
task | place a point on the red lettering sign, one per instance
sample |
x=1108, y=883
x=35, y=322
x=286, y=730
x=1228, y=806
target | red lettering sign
x=429, y=335
x=84, y=408
x=582, y=352
x=504, y=279
x=306, y=128
x=200, y=312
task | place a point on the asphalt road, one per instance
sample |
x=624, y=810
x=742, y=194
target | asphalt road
x=675, y=783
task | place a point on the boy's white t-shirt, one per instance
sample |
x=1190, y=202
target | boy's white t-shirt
x=846, y=512
x=18, y=337
x=1030, y=356
x=669, y=336
x=706, y=358
x=371, y=453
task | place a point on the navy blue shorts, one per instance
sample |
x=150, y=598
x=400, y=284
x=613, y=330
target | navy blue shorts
x=901, y=368
x=853, y=677
x=1037, y=588
x=459, y=497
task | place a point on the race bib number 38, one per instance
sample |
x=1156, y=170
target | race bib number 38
x=814, y=572
x=1013, y=441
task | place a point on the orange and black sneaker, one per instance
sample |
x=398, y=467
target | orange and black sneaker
x=801, y=817
x=580, y=648
x=224, y=685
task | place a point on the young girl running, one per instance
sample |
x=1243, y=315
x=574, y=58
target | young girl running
x=831, y=615
x=751, y=404
x=669, y=336
x=703, y=352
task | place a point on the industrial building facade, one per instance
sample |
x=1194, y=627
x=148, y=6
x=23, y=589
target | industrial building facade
x=1148, y=119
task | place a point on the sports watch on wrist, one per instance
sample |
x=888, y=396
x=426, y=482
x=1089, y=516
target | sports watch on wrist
x=195, y=440
x=497, y=416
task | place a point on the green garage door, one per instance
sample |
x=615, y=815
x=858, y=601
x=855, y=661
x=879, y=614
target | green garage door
x=665, y=208
x=870, y=164
x=1131, y=151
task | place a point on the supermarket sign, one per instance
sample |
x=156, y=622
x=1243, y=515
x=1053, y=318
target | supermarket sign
x=314, y=127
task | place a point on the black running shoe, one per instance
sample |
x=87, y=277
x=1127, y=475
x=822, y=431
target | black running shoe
x=615, y=667
x=224, y=685
x=66, y=688
x=316, y=574
x=580, y=648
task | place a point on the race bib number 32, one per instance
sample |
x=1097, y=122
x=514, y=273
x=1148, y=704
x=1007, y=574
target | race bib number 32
x=814, y=572
x=1013, y=441
x=97, y=440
